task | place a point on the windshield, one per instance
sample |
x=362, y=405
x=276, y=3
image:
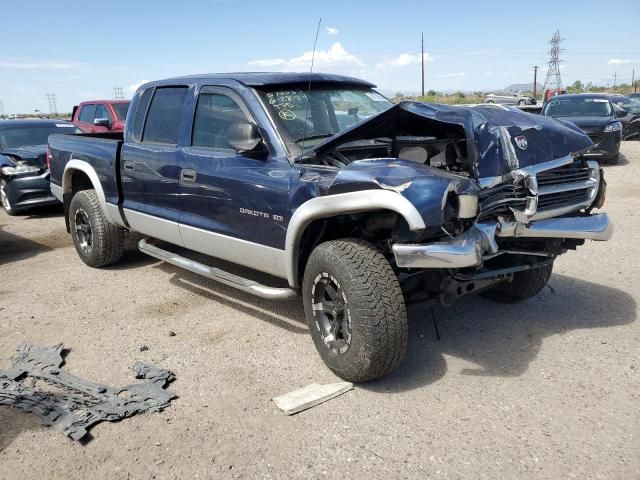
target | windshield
x=306, y=117
x=121, y=110
x=24, y=135
x=578, y=107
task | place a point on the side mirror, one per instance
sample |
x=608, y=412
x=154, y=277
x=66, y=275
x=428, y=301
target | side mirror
x=621, y=112
x=244, y=137
x=102, y=122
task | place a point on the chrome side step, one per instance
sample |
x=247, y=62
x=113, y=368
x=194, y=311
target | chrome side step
x=216, y=274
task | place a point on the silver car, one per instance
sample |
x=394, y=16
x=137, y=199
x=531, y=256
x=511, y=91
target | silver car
x=508, y=98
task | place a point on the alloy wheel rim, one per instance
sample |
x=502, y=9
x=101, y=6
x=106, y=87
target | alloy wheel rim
x=5, y=200
x=84, y=233
x=331, y=313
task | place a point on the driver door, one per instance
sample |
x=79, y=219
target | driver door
x=231, y=203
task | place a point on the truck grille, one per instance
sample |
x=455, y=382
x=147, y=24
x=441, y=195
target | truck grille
x=561, y=190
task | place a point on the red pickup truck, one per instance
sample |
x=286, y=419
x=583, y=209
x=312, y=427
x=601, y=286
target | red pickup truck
x=98, y=116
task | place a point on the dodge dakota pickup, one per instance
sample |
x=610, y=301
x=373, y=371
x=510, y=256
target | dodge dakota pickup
x=358, y=205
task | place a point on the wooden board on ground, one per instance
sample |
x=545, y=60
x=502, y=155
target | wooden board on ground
x=310, y=396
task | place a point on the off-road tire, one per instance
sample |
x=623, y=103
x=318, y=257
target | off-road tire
x=374, y=305
x=613, y=160
x=9, y=210
x=524, y=285
x=107, y=243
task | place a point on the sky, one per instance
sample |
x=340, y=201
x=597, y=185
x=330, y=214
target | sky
x=82, y=50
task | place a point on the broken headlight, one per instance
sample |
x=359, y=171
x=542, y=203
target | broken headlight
x=467, y=206
x=19, y=169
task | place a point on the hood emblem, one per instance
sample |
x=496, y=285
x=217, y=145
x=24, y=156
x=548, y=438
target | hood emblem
x=521, y=142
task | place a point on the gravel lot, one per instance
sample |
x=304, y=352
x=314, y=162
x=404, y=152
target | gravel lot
x=546, y=389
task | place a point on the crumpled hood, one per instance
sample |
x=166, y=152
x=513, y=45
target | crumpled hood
x=490, y=132
x=31, y=155
x=427, y=188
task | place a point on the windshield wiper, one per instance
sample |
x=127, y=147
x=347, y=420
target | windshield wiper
x=314, y=137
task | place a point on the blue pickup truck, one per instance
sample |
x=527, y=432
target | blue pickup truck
x=359, y=205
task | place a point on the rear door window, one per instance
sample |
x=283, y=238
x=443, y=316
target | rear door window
x=163, y=118
x=87, y=113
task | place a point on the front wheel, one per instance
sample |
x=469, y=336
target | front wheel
x=523, y=286
x=4, y=198
x=98, y=242
x=355, y=309
x=614, y=160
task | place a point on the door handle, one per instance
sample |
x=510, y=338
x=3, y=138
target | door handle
x=188, y=175
x=129, y=166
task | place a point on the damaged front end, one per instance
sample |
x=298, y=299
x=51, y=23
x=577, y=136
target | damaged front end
x=500, y=191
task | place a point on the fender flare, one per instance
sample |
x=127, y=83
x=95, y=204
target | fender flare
x=342, y=203
x=86, y=168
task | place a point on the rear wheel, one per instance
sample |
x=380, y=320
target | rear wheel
x=355, y=309
x=524, y=285
x=98, y=242
x=4, y=198
x=522, y=102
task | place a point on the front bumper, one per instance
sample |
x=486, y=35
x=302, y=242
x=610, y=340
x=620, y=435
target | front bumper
x=479, y=242
x=607, y=144
x=26, y=191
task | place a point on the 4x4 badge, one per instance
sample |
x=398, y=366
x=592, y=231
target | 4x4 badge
x=521, y=142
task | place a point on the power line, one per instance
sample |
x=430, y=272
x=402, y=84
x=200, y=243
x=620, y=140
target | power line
x=118, y=93
x=553, y=80
x=53, y=108
x=422, y=59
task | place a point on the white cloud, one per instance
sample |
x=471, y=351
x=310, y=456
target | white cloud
x=618, y=61
x=332, y=31
x=405, y=59
x=22, y=63
x=135, y=86
x=270, y=62
x=452, y=75
x=335, y=56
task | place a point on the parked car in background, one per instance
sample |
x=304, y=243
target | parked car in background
x=24, y=174
x=98, y=116
x=628, y=112
x=508, y=98
x=393, y=204
x=594, y=115
x=634, y=95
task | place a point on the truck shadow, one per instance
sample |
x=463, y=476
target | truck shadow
x=622, y=161
x=502, y=340
x=13, y=422
x=14, y=247
x=288, y=315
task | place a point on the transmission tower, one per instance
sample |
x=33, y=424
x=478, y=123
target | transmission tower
x=118, y=93
x=553, y=80
x=53, y=108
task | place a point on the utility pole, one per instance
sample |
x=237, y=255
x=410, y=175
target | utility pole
x=53, y=108
x=535, y=81
x=1, y=108
x=633, y=80
x=615, y=77
x=422, y=59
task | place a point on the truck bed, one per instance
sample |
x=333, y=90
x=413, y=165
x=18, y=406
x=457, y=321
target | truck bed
x=100, y=150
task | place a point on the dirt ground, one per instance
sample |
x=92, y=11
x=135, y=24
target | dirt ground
x=546, y=389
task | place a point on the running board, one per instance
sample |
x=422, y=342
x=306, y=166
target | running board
x=235, y=281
